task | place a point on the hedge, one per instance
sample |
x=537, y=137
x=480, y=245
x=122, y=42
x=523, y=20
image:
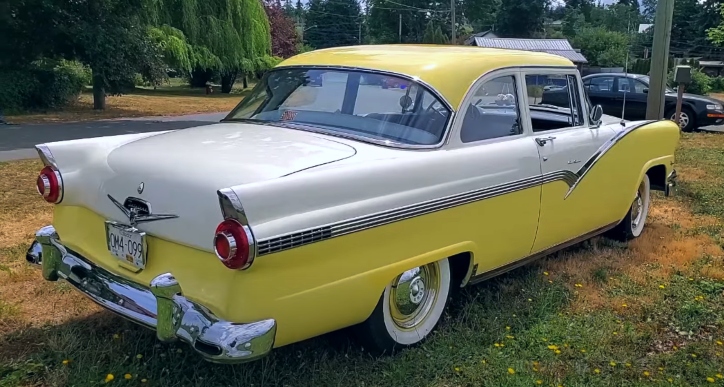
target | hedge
x=42, y=85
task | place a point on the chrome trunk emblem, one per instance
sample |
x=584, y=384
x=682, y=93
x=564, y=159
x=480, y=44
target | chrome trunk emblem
x=138, y=210
x=140, y=188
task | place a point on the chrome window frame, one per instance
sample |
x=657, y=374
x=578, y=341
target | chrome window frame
x=385, y=143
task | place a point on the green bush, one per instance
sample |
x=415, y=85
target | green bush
x=42, y=85
x=717, y=84
x=700, y=82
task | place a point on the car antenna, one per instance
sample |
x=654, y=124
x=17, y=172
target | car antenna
x=625, y=69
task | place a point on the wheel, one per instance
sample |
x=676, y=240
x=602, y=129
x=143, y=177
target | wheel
x=409, y=309
x=633, y=223
x=687, y=120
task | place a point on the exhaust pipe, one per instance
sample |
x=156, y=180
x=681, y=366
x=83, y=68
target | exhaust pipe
x=35, y=253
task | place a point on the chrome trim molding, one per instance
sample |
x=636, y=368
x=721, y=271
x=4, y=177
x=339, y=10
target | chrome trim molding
x=231, y=208
x=161, y=306
x=476, y=278
x=46, y=156
x=304, y=237
x=316, y=234
x=602, y=151
x=134, y=215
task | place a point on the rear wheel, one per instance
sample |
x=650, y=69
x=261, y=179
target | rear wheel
x=633, y=223
x=409, y=309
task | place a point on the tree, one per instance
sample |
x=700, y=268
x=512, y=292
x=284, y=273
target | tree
x=648, y=9
x=602, y=47
x=283, y=31
x=434, y=35
x=337, y=23
x=481, y=14
x=521, y=18
x=226, y=37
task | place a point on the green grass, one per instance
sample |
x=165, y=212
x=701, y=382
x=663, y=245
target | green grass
x=599, y=314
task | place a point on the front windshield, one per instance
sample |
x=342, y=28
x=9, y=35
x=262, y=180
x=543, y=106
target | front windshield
x=376, y=107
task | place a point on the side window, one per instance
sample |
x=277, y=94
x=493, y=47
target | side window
x=600, y=84
x=639, y=87
x=492, y=112
x=553, y=108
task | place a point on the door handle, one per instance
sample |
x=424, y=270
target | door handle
x=543, y=140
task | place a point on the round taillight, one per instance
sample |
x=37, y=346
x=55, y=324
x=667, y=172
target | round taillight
x=50, y=185
x=232, y=244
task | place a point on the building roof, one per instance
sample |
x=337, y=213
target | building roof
x=447, y=68
x=551, y=46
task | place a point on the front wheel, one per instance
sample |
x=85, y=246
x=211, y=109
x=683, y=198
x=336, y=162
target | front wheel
x=687, y=121
x=633, y=223
x=409, y=309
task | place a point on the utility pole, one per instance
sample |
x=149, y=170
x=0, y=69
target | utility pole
x=400, y=28
x=452, y=13
x=359, y=33
x=659, y=59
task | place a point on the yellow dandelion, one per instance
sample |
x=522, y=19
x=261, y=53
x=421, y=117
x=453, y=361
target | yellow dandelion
x=646, y=373
x=615, y=333
x=497, y=344
x=544, y=339
x=661, y=368
x=662, y=287
x=583, y=351
x=483, y=361
x=557, y=351
x=128, y=376
x=719, y=376
x=530, y=300
x=535, y=363
x=509, y=337
x=612, y=364
x=552, y=347
x=550, y=282
x=693, y=355
x=109, y=378
x=66, y=362
x=535, y=369
x=538, y=381
x=676, y=348
x=628, y=364
x=116, y=336
x=670, y=380
x=718, y=342
x=507, y=328
x=691, y=279
x=710, y=379
x=597, y=371
x=511, y=371
x=457, y=369
x=624, y=305
x=579, y=285
x=545, y=273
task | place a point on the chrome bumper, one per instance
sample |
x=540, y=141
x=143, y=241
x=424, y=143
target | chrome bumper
x=670, y=183
x=161, y=306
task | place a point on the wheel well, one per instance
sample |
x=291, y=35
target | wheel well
x=657, y=177
x=460, y=267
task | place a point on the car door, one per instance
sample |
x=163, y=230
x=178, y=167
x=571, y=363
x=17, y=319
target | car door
x=565, y=143
x=601, y=92
x=632, y=98
x=497, y=158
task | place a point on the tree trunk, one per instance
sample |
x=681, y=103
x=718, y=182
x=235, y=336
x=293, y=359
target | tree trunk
x=227, y=81
x=244, y=82
x=99, y=93
x=200, y=77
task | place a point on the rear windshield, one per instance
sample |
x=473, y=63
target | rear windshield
x=376, y=107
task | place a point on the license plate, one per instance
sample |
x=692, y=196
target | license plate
x=126, y=244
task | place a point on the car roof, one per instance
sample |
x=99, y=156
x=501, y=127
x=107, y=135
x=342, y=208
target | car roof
x=451, y=70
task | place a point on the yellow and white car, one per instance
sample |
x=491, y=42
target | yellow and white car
x=317, y=206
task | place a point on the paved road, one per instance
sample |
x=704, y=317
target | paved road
x=17, y=141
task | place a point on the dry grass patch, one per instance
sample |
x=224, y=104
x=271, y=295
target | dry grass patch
x=141, y=103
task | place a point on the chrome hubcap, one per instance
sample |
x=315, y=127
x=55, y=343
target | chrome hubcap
x=413, y=295
x=683, y=119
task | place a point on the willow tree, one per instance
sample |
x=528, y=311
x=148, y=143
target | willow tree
x=230, y=38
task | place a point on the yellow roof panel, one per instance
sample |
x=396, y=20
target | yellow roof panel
x=447, y=68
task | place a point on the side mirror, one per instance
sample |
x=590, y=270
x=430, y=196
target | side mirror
x=596, y=115
x=405, y=102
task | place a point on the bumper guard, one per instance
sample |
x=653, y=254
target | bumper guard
x=161, y=306
x=670, y=183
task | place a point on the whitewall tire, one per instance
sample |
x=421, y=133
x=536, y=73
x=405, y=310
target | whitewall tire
x=409, y=310
x=633, y=223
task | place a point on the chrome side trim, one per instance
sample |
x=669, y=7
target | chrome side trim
x=161, y=306
x=602, y=151
x=231, y=208
x=670, y=185
x=316, y=234
x=46, y=156
x=304, y=237
x=535, y=256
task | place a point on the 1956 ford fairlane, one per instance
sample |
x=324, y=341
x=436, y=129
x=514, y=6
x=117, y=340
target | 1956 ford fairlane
x=325, y=190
